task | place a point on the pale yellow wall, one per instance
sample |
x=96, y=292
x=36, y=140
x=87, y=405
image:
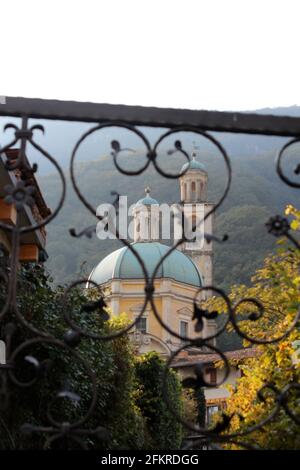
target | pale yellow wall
x=128, y=304
x=173, y=301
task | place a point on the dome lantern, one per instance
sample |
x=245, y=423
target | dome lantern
x=146, y=218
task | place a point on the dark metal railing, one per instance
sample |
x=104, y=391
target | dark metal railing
x=247, y=123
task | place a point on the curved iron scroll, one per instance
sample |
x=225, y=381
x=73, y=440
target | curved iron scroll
x=21, y=195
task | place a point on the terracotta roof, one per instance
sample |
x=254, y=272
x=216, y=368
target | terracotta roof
x=185, y=360
x=12, y=154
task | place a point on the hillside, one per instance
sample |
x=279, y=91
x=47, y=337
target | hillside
x=255, y=195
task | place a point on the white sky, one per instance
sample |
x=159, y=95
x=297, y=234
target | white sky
x=201, y=54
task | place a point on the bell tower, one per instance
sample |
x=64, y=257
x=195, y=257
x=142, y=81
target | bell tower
x=193, y=192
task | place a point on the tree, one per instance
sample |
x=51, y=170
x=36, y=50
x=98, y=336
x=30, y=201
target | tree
x=276, y=366
x=130, y=404
x=163, y=430
x=112, y=362
x=201, y=406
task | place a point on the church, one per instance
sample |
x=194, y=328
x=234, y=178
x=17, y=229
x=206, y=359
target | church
x=177, y=282
x=179, y=276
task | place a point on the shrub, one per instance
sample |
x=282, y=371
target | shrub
x=163, y=431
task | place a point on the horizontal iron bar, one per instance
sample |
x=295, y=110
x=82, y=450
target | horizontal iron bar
x=247, y=123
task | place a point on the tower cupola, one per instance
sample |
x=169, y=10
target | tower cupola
x=193, y=183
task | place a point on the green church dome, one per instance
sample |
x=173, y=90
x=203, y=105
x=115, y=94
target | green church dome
x=147, y=200
x=122, y=264
x=193, y=165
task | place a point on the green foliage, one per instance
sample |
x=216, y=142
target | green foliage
x=162, y=429
x=194, y=410
x=129, y=396
x=189, y=406
x=110, y=361
x=201, y=406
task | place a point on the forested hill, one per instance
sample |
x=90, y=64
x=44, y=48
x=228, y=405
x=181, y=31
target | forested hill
x=256, y=194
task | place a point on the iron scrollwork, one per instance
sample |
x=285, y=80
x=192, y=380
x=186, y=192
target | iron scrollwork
x=12, y=318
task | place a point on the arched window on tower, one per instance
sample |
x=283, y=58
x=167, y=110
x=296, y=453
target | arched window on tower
x=193, y=186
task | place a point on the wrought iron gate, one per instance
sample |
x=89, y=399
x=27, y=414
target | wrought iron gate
x=130, y=118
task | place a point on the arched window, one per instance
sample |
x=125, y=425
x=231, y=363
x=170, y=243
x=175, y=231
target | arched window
x=141, y=325
x=183, y=328
x=193, y=186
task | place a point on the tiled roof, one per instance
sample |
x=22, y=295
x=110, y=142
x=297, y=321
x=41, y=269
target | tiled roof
x=184, y=359
x=12, y=155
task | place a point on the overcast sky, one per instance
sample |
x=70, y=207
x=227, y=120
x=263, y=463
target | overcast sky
x=200, y=54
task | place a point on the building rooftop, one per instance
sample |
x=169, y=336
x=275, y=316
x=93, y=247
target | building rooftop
x=193, y=164
x=123, y=264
